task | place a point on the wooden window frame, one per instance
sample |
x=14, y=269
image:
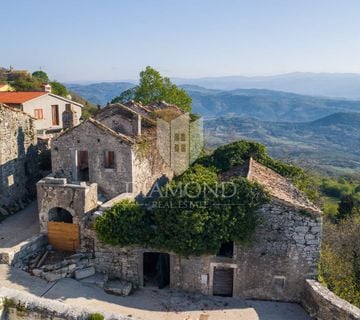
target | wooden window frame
x=109, y=159
x=39, y=113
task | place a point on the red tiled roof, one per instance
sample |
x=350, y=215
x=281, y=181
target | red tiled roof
x=19, y=97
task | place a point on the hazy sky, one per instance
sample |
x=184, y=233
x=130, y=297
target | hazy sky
x=115, y=39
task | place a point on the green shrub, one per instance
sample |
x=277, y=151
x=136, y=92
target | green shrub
x=123, y=224
x=237, y=153
x=193, y=215
x=339, y=267
x=96, y=316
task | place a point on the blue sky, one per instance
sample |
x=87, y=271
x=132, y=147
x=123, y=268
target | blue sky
x=115, y=39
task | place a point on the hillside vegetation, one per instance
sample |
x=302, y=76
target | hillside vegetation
x=330, y=145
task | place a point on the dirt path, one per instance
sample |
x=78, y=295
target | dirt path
x=19, y=227
x=150, y=304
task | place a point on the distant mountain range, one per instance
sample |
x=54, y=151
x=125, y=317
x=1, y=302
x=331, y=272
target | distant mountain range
x=261, y=104
x=330, y=144
x=100, y=93
x=343, y=85
x=317, y=132
x=266, y=104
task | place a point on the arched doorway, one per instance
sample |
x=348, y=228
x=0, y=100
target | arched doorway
x=63, y=234
x=60, y=215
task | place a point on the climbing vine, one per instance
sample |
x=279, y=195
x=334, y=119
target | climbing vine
x=192, y=215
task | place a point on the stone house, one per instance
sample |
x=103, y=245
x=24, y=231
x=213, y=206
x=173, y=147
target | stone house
x=114, y=155
x=18, y=159
x=282, y=254
x=111, y=154
x=114, y=149
x=47, y=108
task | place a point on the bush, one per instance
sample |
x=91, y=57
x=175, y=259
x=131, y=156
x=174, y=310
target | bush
x=339, y=266
x=237, y=153
x=124, y=224
x=96, y=316
x=192, y=216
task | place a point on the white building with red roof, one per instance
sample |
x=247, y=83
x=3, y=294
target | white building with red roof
x=47, y=108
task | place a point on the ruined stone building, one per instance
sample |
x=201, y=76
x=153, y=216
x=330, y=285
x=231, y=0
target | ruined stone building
x=18, y=159
x=114, y=155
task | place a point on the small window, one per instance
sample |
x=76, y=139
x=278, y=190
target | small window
x=180, y=147
x=183, y=137
x=177, y=137
x=226, y=250
x=109, y=160
x=10, y=180
x=38, y=113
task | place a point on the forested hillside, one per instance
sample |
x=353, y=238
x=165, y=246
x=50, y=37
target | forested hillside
x=330, y=145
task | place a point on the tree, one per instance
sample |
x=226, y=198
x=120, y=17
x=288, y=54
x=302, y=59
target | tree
x=347, y=207
x=125, y=96
x=339, y=266
x=41, y=75
x=154, y=88
x=24, y=82
x=58, y=89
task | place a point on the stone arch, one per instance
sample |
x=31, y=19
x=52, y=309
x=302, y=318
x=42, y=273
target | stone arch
x=59, y=214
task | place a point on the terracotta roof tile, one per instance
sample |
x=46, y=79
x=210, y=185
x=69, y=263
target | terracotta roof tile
x=19, y=97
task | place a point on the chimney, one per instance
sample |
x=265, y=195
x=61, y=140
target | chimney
x=46, y=87
x=136, y=124
x=69, y=117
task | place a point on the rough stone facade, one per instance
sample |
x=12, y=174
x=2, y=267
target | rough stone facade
x=20, y=255
x=18, y=159
x=136, y=164
x=322, y=304
x=77, y=199
x=92, y=138
x=273, y=266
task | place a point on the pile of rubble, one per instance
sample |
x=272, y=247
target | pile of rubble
x=79, y=266
x=76, y=266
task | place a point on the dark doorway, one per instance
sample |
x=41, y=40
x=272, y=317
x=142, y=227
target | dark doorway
x=60, y=215
x=223, y=282
x=156, y=269
x=83, y=165
x=226, y=250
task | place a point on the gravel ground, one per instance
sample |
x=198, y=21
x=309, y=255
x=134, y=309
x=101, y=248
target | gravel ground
x=150, y=304
x=19, y=227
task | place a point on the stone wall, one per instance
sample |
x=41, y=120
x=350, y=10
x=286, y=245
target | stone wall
x=322, y=304
x=149, y=168
x=18, y=159
x=77, y=199
x=88, y=137
x=19, y=255
x=284, y=252
x=21, y=305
